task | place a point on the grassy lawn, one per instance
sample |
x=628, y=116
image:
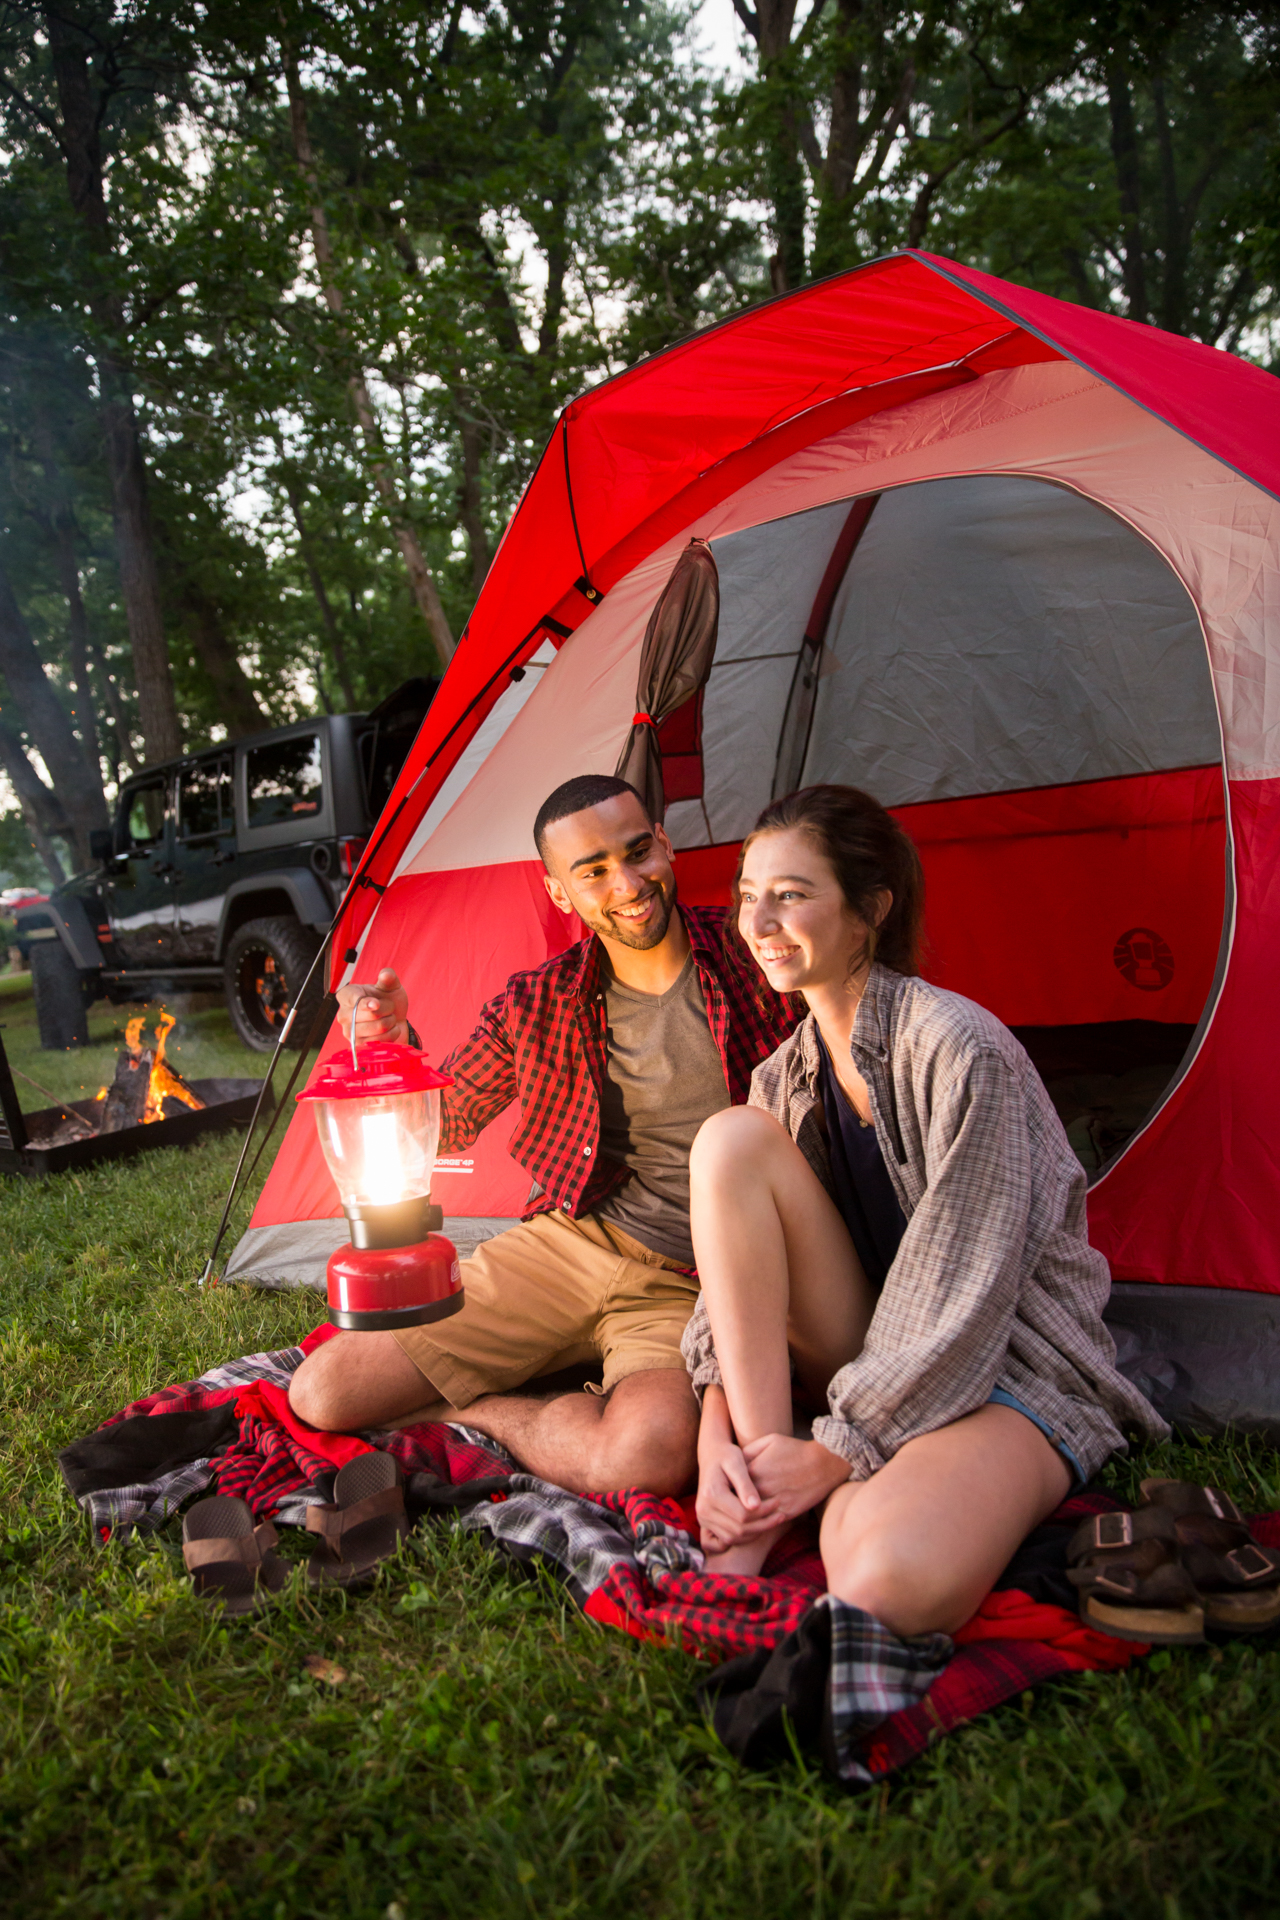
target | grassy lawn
x=476, y=1748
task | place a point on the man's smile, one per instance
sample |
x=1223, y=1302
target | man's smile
x=638, y=910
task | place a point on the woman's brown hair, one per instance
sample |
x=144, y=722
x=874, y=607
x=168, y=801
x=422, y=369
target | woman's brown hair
x=868, y=852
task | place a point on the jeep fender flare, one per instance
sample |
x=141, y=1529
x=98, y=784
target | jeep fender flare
x=71, y=924
x=307, y=896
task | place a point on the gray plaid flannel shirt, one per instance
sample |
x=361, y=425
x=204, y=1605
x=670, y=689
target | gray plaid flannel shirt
x=995, y=1283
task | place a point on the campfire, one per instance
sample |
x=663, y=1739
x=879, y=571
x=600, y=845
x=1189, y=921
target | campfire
x=147, y=1103
x=145, y=1087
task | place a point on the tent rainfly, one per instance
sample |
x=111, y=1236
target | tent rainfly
x=1011, y=565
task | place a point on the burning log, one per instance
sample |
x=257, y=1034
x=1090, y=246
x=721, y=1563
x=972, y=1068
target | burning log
x=126, y=1101
x=145, y=1086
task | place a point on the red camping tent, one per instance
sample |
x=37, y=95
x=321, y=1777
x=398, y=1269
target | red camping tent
x=1047, y=651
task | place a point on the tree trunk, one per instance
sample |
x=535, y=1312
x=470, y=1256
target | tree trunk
x=1124, y=151
x=79, y=791
x=327, y=613
x=238, y=703
x=785, y=182
x=139, y=575
x=469, y=497
x=1173, y=279
x=40, y=808
x=62, y=529
x=420, y=579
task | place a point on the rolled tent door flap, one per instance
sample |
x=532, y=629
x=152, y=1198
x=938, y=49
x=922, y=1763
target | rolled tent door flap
x=679, y=646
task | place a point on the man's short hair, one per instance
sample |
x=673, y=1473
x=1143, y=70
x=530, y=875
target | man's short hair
x=575, y=796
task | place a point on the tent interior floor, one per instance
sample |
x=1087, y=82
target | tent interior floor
x=1104, y=1078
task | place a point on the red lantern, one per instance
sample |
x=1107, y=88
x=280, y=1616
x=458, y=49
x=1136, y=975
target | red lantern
x=378, y=1118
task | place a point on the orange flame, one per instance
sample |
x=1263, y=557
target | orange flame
x=164, y=1082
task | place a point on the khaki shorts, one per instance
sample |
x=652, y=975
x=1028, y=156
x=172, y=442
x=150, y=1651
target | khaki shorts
x=551, y=1293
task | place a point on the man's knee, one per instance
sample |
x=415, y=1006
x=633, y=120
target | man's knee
x=311, y=1394
x=651, y=1444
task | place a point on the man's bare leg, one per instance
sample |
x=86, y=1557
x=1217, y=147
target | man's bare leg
x=643, y=1434
x=359, y=1380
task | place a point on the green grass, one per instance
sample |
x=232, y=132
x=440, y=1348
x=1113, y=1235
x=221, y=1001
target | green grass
x=487, y=1751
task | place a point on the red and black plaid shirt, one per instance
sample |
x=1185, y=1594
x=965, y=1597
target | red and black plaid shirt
x=542, y=1041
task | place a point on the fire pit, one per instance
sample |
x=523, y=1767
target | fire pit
x=147, y=1104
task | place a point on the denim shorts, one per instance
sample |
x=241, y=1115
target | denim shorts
x=1000, y=1398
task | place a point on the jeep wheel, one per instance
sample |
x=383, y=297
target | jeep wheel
x=60, y=997
x=267, y=962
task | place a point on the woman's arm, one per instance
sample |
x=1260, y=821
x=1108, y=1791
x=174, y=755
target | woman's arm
x=942, y=1326
x=730, y=1510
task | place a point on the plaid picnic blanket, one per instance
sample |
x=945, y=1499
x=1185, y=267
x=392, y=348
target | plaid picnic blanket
x=630, y=1560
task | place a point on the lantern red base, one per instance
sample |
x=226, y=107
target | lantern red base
x=375, y=1288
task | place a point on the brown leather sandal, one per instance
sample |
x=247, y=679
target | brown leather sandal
x=1132, y=1584
x=1237, y=1580
x=230, y=1560
x=362, y=1527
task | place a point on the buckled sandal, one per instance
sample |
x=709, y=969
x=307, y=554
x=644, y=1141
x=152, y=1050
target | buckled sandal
x=230, y=1560
x=363, y=1525
x=1237, y=1580
x=1132, y=1583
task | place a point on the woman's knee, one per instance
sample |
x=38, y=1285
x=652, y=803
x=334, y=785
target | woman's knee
x=735, y=1138
x=893, y=1579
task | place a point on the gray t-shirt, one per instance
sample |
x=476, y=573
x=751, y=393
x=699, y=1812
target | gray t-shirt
x=664, y=1077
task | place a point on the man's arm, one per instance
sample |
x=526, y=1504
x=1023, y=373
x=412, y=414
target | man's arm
x=484, y=1079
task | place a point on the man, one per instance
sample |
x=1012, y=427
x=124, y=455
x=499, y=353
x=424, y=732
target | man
x=617, y=1050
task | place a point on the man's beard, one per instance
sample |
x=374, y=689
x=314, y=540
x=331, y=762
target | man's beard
x=620, y=931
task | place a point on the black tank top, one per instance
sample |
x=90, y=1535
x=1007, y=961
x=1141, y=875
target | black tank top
x=863, y=1190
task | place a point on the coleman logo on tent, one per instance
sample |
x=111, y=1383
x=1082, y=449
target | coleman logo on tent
x=1145, y=960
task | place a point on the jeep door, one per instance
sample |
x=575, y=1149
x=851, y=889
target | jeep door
x=204, y=851
x=139, y=891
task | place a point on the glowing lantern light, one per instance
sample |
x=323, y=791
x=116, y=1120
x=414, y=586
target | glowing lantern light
x=378, y=1118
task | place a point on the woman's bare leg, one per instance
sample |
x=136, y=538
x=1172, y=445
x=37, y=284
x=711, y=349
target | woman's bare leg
x=779, y=1275
x=920, y=1543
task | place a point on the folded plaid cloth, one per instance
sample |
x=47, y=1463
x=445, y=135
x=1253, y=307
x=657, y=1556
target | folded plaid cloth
x=873, y=1674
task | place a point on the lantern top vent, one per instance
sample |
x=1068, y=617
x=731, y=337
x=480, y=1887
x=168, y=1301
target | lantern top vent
x=382, y=1070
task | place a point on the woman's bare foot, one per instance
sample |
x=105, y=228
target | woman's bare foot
x=749, y=1557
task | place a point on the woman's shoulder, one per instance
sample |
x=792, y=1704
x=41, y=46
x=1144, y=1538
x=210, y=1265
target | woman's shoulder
x=935, y=1020
x=790, y=1061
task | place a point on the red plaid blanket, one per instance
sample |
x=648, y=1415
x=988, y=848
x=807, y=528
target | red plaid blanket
x=273, y=1461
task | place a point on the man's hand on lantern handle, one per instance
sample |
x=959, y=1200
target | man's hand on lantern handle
x=380, y=1011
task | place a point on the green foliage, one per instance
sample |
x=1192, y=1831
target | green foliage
x=20, y=864
x=520, y=198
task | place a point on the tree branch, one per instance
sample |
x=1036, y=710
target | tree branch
x=751, y=19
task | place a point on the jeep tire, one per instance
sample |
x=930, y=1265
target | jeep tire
x=60, y=997
x=267, y=962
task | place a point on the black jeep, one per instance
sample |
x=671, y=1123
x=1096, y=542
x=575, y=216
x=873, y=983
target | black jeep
x=224, y=869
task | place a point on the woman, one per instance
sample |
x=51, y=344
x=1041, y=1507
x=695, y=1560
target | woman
x=893, y=1228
